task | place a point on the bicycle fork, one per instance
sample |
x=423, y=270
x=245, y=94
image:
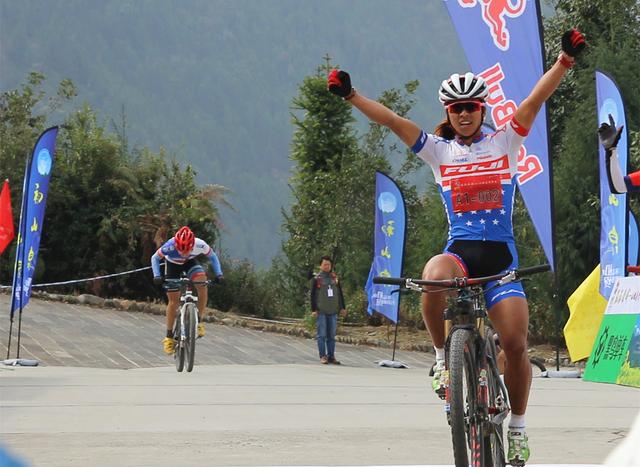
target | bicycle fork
x=499, y=408
x=183, y=332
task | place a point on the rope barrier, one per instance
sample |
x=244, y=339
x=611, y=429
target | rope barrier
x=77, y=281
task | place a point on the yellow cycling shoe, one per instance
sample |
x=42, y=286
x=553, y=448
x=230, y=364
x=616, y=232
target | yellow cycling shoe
x=200, y=329
x=169, y=345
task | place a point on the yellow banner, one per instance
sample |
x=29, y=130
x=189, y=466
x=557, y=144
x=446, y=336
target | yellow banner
x=586, y=306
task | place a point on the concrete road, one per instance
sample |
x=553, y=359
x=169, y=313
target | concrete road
x=249, y=409
x=61, y=334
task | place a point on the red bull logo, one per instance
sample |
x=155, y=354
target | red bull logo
x=494, y=13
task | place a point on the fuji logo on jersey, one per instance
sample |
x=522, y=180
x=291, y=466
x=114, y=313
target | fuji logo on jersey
x=496, y=165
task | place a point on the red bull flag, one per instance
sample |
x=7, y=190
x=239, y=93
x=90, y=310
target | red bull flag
x=502, y=40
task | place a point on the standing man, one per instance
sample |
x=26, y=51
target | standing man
x=326, y=302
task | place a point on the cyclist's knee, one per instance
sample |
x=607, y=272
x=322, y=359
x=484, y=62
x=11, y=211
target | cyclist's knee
x=198, y=276
x=514, y=347
x=441, y=267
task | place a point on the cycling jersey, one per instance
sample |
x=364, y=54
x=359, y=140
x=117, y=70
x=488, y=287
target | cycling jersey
x=477, y=183
x=477, y=186
x=169, y=253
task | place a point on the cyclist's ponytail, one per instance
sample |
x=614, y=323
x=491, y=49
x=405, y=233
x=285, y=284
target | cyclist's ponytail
x=445, y=130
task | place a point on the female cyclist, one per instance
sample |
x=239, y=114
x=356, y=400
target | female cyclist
x=465, y=163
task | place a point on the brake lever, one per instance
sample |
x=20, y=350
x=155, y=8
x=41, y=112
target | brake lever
x=511, y=277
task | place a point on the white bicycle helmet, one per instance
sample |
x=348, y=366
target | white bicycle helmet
x=459, y=87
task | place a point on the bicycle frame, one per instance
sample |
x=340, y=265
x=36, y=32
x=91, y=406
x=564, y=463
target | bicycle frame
x=455, y=309
x=186, y=291
x=186, y=296
x=185, y=327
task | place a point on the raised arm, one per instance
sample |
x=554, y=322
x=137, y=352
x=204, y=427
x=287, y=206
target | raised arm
x=572, y=44
x=339, y=83
x=619, y=183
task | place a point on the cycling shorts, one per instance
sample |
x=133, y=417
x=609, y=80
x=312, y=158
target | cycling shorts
x=192, y=268
x=479, y=258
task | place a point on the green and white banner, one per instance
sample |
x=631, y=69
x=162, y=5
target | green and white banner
x=615, y=357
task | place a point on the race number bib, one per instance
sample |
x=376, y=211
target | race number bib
x=476, y=193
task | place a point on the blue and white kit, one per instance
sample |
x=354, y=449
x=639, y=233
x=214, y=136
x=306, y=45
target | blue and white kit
x=477, y=185
x=169, y=253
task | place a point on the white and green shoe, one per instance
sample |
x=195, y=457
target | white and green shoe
x=440, y=377
x=518, y=453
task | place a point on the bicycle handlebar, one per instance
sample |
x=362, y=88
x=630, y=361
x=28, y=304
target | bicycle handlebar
x=390, y=280
x=462, y=282
x=186, y=280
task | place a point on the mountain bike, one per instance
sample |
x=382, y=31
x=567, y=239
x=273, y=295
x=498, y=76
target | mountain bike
x=185, y=328
x=476, y=399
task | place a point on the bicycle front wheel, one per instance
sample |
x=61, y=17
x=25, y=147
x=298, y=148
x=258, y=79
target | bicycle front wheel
x=191, y=332
x=466, y=428
x=497, y=408
x=179, y=351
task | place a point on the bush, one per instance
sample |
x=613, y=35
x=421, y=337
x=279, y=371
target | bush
x=244, y=291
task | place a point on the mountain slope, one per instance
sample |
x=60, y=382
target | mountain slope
x=212, y=81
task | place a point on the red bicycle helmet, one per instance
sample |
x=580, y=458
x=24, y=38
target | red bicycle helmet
x=184, y=239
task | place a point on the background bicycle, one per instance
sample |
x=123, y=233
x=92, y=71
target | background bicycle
x=185, y=328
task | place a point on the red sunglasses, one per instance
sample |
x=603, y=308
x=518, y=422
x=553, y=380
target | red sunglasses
x=469, y=106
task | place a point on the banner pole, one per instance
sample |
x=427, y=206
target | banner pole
x=395, y=338
x=20, y=242
x=19, y=329
x=10, y=332
x=557, y=313
x=19, y=271
x=22, y=278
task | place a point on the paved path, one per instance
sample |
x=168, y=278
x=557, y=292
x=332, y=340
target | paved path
x=254, y=399
x=60, y=334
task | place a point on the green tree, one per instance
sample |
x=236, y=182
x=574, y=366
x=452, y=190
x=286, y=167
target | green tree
x=23, y=115
x=324, y=145
x=333, y=185
x=108, y=209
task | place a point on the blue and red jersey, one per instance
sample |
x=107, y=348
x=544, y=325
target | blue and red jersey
x=168, y=252
x=477, y=182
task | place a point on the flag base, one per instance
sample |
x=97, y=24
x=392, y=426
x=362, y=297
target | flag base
x=561, y=374
x=392, y=364
x=20, y=361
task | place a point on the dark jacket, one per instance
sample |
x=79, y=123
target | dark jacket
x=326, y=294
